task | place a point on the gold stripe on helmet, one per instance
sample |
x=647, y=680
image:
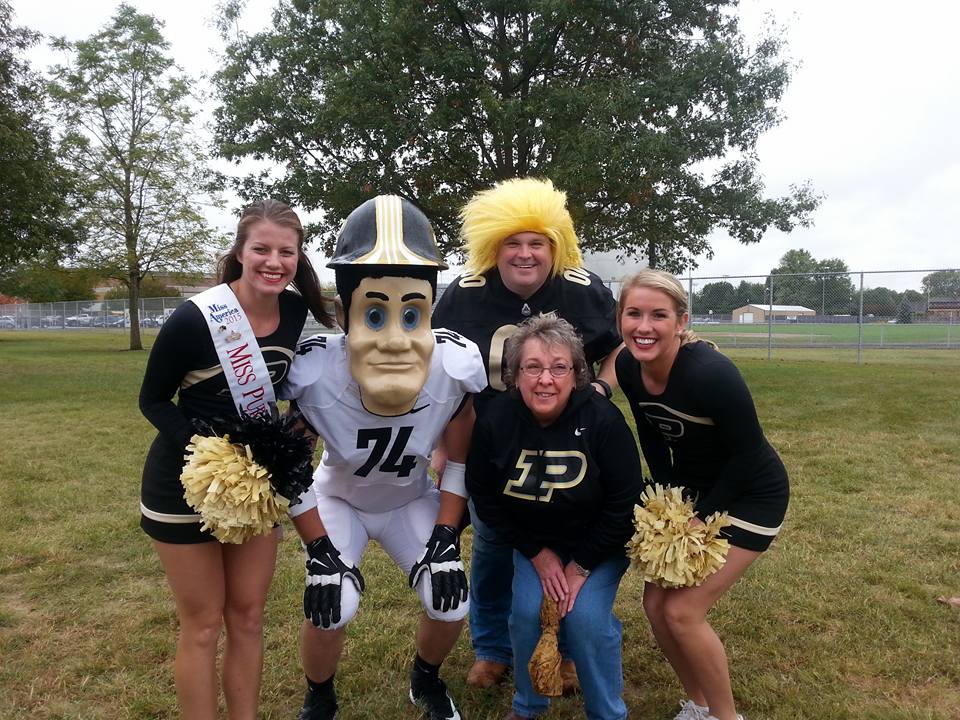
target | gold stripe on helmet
x=390, y=248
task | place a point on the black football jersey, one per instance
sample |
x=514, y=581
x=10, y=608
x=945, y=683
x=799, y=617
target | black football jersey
x=481, y=308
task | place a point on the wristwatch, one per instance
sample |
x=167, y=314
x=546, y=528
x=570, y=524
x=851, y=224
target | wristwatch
x=581, y=570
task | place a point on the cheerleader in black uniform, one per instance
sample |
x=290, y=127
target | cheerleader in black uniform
x=216, y=584
x=698, y=429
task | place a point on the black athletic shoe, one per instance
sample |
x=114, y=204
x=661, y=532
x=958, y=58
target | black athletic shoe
x=432, y=698
x=317, y=706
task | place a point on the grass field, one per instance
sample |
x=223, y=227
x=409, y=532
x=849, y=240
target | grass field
x=839, y=620
x=830, y=334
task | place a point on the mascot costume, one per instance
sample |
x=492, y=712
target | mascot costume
x=381, y=396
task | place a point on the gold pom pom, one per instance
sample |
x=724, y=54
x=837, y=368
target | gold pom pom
x=668, y=550
x=231, y=492
x=544, y=665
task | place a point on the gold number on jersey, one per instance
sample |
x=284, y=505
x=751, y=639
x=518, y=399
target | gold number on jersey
x=577, y=275
x=497, y=351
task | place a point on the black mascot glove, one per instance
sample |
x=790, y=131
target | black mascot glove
x=442, y=558
x=325, y=574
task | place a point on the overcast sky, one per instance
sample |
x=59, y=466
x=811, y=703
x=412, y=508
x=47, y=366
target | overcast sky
x=872, y=118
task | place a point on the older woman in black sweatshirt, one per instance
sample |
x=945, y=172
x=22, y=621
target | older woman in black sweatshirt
x=554, y=467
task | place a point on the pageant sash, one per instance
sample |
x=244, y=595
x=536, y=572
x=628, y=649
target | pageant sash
x=240, y=357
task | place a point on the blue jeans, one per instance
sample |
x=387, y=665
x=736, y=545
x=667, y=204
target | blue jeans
x=594, y=639
x=491, y=574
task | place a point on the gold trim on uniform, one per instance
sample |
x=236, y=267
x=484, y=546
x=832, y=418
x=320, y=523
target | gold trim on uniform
x=677, y=413
x=197, y=376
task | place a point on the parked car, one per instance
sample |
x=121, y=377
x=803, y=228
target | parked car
x=52, y=321
x=80, y=320
x=7, y=322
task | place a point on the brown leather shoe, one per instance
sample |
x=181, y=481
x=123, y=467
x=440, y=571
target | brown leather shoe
x=568, y=675
x=486, y=673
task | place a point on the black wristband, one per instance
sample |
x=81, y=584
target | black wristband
x=607, y=390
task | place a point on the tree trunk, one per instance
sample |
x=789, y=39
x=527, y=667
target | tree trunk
x=134, y=300
x=652, y=253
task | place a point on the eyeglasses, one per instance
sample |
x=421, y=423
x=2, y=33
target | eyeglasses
x=535, y=371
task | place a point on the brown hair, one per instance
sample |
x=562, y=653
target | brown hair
x=666, y=283
x=306, y=282
x=552, y=331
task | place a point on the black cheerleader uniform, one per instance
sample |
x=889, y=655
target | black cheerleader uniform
x=184, y=360
x=702, y=433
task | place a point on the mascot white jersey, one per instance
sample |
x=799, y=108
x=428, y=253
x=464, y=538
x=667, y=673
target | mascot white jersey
x=373, y=462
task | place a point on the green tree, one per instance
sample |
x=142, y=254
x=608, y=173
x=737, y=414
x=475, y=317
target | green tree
x=150, y=287
x=943, y=283
x=904, y=312
x=39, y=282
x=37, y=194
x=749, y=293
x=880, y=301
x=622, y=105
x=720, y=297
x=821, y=285
x=126, y=110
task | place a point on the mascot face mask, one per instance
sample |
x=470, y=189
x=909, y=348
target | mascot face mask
x=386, y=263
x=390, y=342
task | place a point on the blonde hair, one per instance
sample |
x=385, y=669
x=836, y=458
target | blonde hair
x=515, y=206
x=666, y=283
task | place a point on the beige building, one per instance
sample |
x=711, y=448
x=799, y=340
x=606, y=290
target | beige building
x=758, y=313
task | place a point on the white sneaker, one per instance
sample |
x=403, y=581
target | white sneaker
x=713, y=717
x=689, y=710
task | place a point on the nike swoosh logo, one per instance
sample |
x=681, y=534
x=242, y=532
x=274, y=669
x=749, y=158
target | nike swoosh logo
x=416, y=410
x=579, y=431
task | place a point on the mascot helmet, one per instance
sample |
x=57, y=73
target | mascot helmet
x=387, y=230
x=385, y=236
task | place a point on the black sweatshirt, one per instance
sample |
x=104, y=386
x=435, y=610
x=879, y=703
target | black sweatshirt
x=702, y=431
x=570, y=486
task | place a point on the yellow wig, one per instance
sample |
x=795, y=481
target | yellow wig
x=514, y=206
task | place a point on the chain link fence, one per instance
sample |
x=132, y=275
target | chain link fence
x=101, y=314
x=851, y=310
x=847, y=311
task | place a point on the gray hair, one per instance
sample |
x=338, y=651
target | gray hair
x=552, y=331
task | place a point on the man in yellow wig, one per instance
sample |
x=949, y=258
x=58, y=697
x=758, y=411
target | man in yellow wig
x=523, y=259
